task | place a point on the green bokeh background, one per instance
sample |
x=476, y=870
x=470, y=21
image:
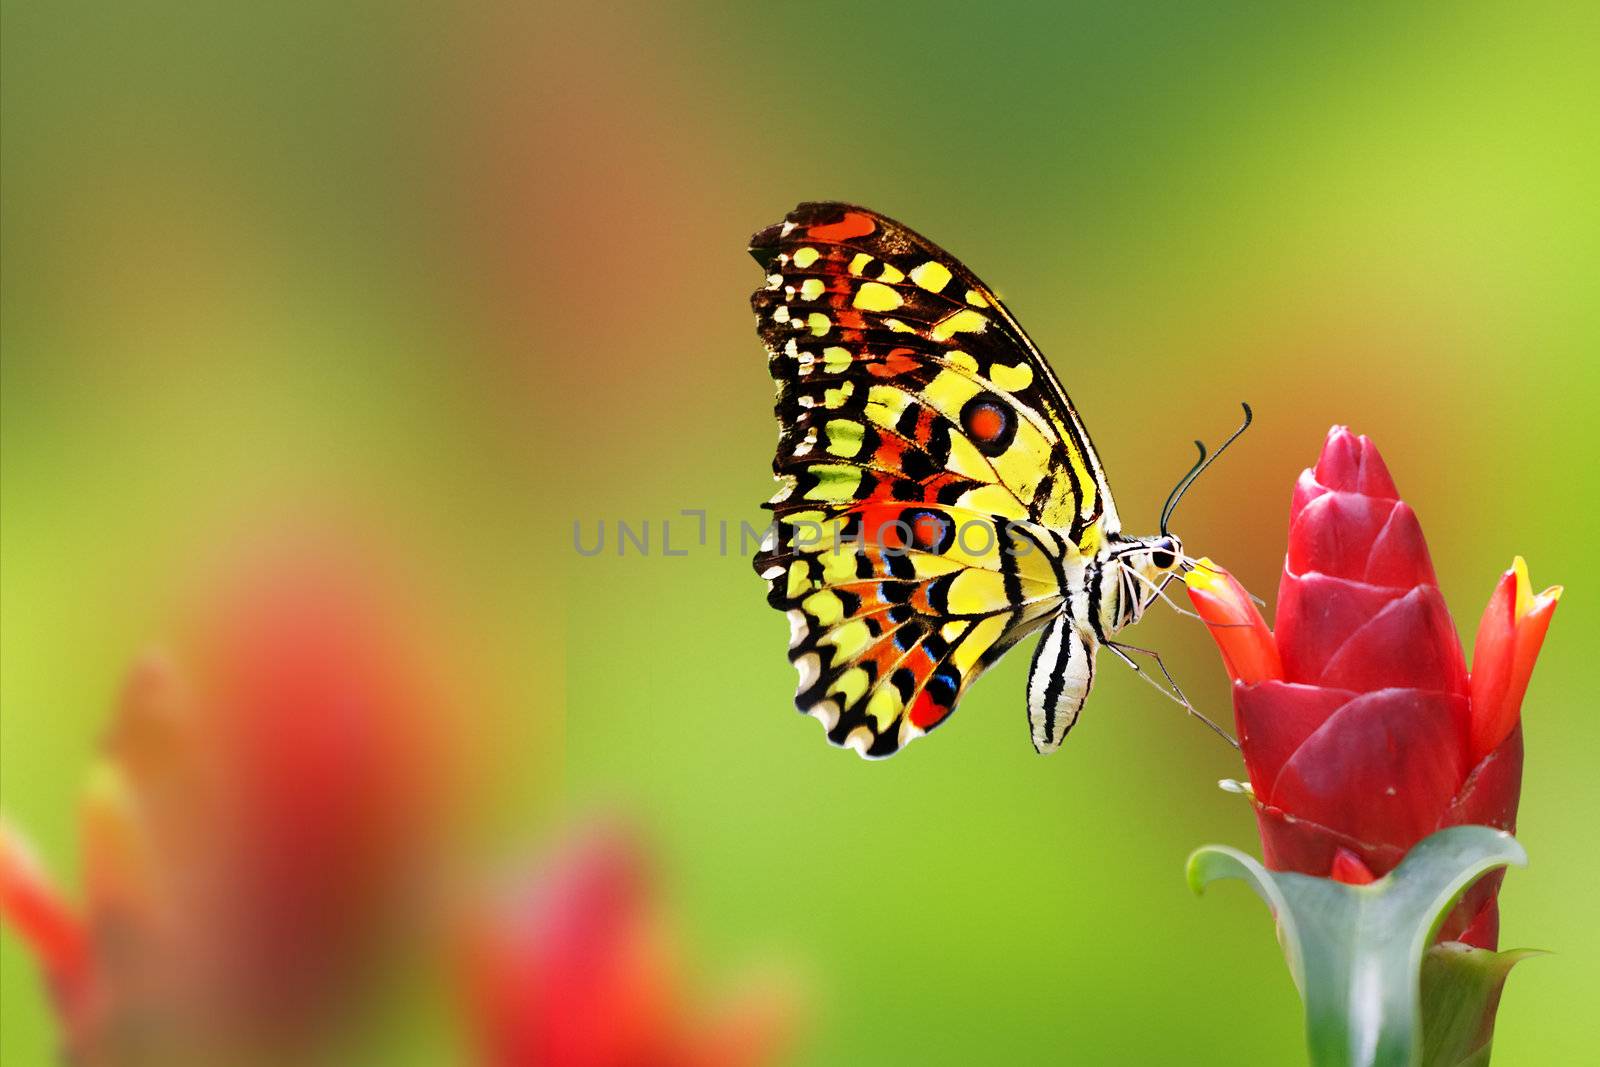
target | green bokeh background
x=467, y=277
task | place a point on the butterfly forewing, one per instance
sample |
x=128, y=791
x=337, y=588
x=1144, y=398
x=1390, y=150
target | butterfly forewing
x=868, y=301
x=936, y=480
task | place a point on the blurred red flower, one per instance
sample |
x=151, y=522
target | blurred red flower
x=253, y=831
x=575, y=971
x=1361, y=729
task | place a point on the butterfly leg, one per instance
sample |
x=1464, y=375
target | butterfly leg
x=1126, y=652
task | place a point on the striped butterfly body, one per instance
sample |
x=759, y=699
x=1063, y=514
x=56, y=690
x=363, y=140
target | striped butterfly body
x=940, y=497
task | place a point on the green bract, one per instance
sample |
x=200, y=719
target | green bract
x=1357, y=951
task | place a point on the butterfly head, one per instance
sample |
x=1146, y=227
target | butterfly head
x=1137, y=568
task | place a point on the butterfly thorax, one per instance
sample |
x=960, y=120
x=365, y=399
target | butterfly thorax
x=1127, y=576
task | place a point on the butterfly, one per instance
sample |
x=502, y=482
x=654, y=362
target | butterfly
x=940, y=498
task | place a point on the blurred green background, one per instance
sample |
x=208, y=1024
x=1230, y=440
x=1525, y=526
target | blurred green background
x=464, y=277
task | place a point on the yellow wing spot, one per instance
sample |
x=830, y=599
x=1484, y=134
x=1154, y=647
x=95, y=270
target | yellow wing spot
x=964, y=321
x=983, y=635
x=835, y=358
x=993, y=499
x=875, y=296
x=885, y=404
x=1011, y=379
x=884, y=706
x=950, y=389
x=812, y=288
x=931, y=276
x=852, y=684
x=924, y=565
x=835, y=398
x=977, y=299
x=962, y=361
x=898, y=327
x=844, y=437
x=805, y=516
x=1023, y=465
x=819, y=323
x=977, y=592
x=952, y=630
x=966, y=460
x=825, y=607
x=804, y=257
x=835, y=484
x=891, y=274
x=799, y=578
x=849, y=638
x=859, y=264
x=838, y=563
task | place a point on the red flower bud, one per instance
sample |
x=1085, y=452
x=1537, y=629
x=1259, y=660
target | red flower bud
x=253, y=834
x=575, y=970
x=1359, y=725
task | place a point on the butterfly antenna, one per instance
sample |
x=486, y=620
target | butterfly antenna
x=1179, y=489
x=1199, y=468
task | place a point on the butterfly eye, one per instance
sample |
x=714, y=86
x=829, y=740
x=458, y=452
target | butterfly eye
x=1164, y=554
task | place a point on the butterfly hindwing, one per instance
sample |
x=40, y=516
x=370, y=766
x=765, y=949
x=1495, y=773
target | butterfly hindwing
x=895, y=608
x=928, y=458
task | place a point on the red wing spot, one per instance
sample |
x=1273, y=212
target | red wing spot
x=851, y=320
x=926, y=530
x=854, y=224
x=931, y=488
x=882, y=486
x=986, y=422
x=880, y=526
x=890, y=451
x=926, y=713
x=897, y=361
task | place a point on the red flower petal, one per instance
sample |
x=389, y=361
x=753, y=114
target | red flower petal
x=1290, y=843
x=1348, y=868
x=1352, y=463
x=1476, y=919
x=1400, y=553
x=1383, y=768
x=1274, y=719
x=1316, y=615
x=1306, y=489
x=34, y=908
x=1241, y=634
x=1489, y=795
x=1411, y=643
x=1334, y=533
x=1509, y=638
